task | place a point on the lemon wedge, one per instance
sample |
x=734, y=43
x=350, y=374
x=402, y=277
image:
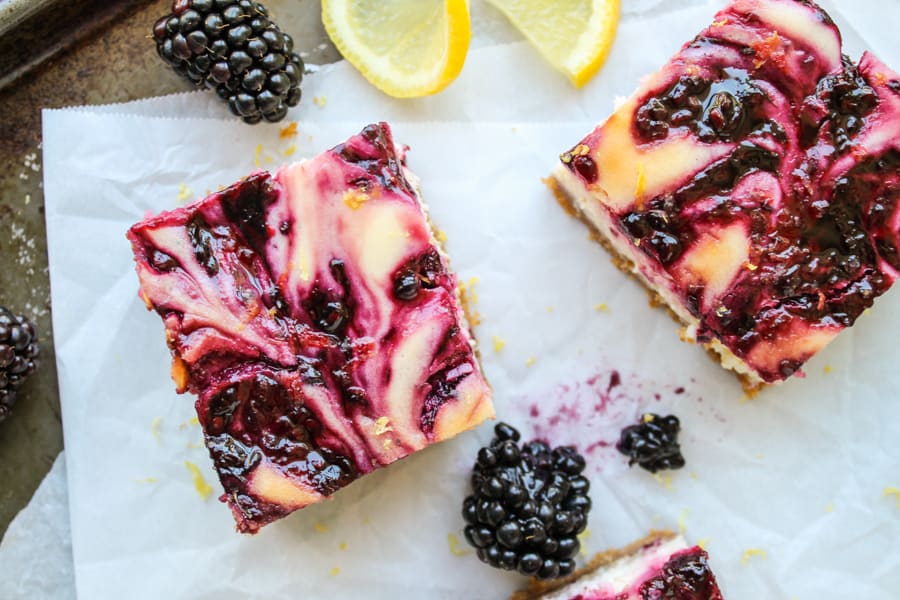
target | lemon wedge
x=405, y=48
x=574, y=35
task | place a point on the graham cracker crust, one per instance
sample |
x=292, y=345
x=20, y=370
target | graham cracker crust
x=537, y=588
x=627, y=266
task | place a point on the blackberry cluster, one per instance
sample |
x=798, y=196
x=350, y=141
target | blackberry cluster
x=653, y=443
x=528, y=505
x=233, y=47
x=18, y=357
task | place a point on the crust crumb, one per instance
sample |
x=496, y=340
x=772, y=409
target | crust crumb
x=289, y=131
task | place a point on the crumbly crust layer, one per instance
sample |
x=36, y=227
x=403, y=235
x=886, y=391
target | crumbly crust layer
x=536, y=588
x=715, y=350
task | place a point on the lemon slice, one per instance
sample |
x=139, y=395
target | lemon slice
x=406, y=48
x=574, y=35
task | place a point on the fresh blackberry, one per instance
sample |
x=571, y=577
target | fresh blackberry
x=653, y=443
x=18, y=357
x=528, y=505
x=233, y=46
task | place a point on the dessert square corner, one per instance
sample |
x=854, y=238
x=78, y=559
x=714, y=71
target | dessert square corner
x=751, y=184
x=660, y=565
x=313, y=313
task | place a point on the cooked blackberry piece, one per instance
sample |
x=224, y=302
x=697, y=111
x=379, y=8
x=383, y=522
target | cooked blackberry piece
x=751, y=184
x=653, y=443
x=314, y=315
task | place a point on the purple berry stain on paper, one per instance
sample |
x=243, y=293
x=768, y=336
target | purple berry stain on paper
x=591, y=413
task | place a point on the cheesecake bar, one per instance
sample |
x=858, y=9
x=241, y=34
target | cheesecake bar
x=313, y=314
x=751, y=184
x=662, y=565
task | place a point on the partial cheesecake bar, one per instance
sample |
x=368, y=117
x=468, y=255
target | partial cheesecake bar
x=751, y=184
x=314, y=315
x=662, y=565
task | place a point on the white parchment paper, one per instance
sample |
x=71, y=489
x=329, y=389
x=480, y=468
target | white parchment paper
x=787, y=491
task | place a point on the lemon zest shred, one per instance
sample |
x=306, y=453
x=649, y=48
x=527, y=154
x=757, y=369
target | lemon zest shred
x=200, y=484
x=453, y=543
x=664, y=480
x=682, y=520
x=583, y=537
x=382, y=425
x=355, y=199
x=184, y=192
x=640, y=186
x=750, y=553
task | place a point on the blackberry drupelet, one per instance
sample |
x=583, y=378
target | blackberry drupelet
x=653, y=443
x=18, y=357
x=528, y=505
x=233, y=47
